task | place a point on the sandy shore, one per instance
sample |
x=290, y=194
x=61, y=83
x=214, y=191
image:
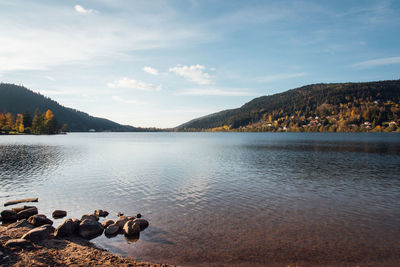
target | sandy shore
x=73, y=251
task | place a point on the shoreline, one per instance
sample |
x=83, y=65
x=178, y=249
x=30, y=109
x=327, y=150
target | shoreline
x=70, y=251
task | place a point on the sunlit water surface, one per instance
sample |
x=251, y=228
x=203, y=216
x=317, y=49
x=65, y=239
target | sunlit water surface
x=251, y=198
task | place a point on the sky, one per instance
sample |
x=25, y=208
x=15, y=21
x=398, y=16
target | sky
x=162, y=63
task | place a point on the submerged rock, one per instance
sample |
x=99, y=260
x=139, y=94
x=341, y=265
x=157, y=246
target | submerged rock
x=89, y=217
x=68, y=228
x=21, y=201
x=39, y=220
x=101, y=213
x=9, y=216
x=112, y=229
x=131, y=228
x=90, y=229
x=39, y=233
x=25, y=214
x=57, y=214
x=107, y=223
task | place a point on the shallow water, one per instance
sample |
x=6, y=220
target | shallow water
x=211, y=198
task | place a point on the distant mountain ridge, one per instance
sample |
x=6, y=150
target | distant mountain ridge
x=17, y=99
x=375, y=103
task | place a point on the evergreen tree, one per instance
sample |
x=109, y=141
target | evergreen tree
x=27, y=121
x=38, y=123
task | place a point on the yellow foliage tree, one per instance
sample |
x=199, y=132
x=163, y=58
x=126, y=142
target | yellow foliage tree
x=49, y=115
x=19, y=123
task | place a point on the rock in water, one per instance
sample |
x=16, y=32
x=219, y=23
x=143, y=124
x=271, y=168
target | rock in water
x=25, y=214
x=9, y=216
x=39, y=233
x=142, y=223
x=111, y=229
x=90, y=229
x=18, y=243
x=39, y=220
x=131, y=228
x=101, y=213
x=122, y=220
x=57, y=214
x=107, y=223
x=89, y=217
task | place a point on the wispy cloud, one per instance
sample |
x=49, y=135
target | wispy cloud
x=150, y=70
x=134, y=84
x=214, y=92
x=81, y=9
x=58, y=37
x=193, y=73
x=280, y=77
x=50, y=78
x=377, y=62
x=127, y=101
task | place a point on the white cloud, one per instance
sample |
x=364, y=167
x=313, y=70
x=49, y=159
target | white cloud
x=150, y=70
x=127, y=101
x=280, y=77
x=194, y=73
x=377, y=62
x=134, y=84
x=81, y=9
x=214, y=92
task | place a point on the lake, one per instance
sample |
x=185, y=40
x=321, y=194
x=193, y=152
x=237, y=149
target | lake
x=222, y=198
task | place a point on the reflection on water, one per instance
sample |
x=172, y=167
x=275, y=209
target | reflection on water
x=225, y=197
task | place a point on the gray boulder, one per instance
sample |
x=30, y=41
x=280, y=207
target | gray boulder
x=8, y=216
x=90, y=229
x=18, y=209
x=39, y=233
x=18, y=243
x=107, y=223
x=101, y=213
x=39, y=220
x=111, y=229
x=20, y=223
x=142, y=223
x=25, y=214
x=131, y=228
x=89, y=217
x=57, y=214
x=68, y=228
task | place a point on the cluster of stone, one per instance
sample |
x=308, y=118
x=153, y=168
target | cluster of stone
x=87, y=227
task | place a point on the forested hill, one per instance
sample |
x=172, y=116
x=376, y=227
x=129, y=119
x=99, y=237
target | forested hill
x=18, y=99
x=340, y=107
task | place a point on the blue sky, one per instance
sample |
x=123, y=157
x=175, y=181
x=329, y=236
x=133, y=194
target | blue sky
x=162, y=63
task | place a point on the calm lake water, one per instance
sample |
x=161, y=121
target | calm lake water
x=213, y=198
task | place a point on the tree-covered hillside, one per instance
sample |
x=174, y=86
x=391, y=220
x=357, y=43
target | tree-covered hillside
x=16, y=99
x=336, y=107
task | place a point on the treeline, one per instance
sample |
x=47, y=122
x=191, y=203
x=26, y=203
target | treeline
x=341, y=107
x=40, y=123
